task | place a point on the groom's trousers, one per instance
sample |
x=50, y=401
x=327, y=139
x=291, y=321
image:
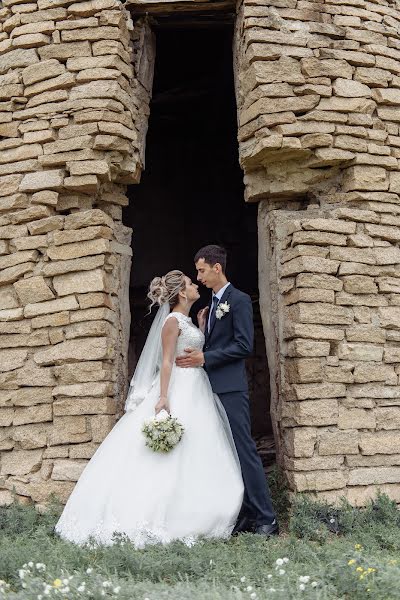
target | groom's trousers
x=257, y=503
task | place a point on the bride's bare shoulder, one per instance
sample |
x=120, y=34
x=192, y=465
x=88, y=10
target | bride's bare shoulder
x=171, y=325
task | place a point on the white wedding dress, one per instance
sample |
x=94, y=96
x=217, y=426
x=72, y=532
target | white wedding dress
x=194, y=490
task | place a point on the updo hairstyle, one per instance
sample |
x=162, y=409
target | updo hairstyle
x=166, y=289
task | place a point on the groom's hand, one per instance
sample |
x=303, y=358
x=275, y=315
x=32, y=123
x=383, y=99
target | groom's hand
x=192, y=358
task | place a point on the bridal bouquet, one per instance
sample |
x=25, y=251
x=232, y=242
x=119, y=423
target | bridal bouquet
x=163, y=432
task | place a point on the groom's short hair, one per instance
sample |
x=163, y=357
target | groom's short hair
x=212, y=255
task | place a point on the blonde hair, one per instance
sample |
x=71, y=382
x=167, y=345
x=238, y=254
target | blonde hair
x=166, y=289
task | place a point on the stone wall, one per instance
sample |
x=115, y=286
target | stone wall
x=318, y=91
x=75, y=84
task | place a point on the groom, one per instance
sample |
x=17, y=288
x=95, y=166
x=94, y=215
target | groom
x=229, y=335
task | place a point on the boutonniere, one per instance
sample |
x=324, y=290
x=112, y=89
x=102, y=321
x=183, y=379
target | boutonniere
x=222, y=309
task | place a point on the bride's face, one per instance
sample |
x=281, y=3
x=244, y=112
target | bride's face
x=191, y=290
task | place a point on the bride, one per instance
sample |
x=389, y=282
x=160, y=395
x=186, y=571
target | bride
x=194, y=490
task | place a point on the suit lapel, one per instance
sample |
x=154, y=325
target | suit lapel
x=224, y=298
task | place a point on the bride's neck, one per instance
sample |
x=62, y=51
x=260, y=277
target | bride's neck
x=184, y=310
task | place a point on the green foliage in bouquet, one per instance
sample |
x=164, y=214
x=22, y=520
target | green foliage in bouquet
x=163, y=432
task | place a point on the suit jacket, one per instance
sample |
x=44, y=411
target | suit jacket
x=229, y=342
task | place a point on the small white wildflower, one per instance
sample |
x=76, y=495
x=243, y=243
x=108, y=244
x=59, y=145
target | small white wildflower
x=272, y=590
x=89, y=570
x=21, y=573
x=269, y=576
x=102, y=593
x=117, y=589
x=304, y=578
x=40, y=566
x=249, y=588
x=107, y=584
x=279, y=562
x=65, y=590
x=253, y=595
x=23, y=585
x=40, y=597
x=314, y=584
x=46, y=592
x=30, y=564
x=243, y=579
x=331, y=520
x=302, y=587
x=81, y=588
x=281, y=571
x=211, y=562
x=285, y=559
x=65, y=581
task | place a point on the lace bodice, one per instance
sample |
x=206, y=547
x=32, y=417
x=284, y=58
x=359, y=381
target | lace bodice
x=190, y=336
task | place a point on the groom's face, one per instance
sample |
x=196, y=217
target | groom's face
x=206, y=274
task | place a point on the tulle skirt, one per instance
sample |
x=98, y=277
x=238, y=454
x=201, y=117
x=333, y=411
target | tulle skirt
x=194, y=490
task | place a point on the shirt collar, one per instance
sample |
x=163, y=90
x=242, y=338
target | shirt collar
x=220, y=293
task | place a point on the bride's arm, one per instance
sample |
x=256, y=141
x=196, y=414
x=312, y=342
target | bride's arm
x=169, y=337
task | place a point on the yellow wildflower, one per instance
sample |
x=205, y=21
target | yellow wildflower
x=358, y=547
x=360, y=569
x=57, y=583
x=370, y=570
x=362, y=576
x=351, y=562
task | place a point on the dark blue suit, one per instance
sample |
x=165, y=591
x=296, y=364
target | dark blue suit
x=227, y=345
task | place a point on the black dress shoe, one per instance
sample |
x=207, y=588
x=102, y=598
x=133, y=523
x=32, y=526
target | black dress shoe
x=243, y=525
x=267, y=530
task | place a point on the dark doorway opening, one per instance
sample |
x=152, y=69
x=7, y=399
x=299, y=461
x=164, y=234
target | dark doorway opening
x=191, y=192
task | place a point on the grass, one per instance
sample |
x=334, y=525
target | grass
x=324, y=553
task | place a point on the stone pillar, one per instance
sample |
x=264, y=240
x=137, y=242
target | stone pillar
x=73, y=117
x=318, y=103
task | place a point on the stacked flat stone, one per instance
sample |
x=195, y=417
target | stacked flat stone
x=72, y=122
x=340, y=378
x=318, y=92
x=319, y=106
x=319, y=87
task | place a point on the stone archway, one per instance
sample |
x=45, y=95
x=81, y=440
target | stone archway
x=192, y=192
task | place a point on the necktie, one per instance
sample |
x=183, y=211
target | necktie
x=212, y=315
